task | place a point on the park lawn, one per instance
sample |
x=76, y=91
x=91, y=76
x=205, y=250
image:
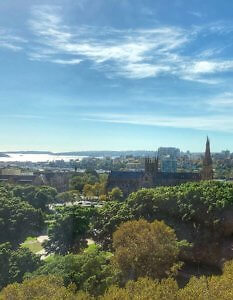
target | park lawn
x=32, y=244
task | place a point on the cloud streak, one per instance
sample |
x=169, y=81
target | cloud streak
x=133, y=54
x=10, y=41
x=127, y=53
x=220, y=123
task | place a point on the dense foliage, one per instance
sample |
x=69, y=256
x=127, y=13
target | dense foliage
x=143, y=247
x=197, y=202
x=15, y=263
x=200, y=212
x=90, y=183
x=18, y=219
x=51, y=287
x=144, y=289
x=90, y=271
x=43, y=288
x=116, y=194
x=68, y=230
x=213, y=287
x=146, y=249
x=106, y=220
x=38, y=197
x=78, y=181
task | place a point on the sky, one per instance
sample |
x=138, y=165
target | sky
x=116, y=74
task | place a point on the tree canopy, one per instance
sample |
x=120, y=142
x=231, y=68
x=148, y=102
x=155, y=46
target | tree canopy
x=38, y=197
x=18, y=219
x=68, y=230
x=43, y=288
x=144, y=289
x=90, y=271
x=200, y=202
x=15, y=263
x=146, y=249
x=106, y=220
x=116, y=194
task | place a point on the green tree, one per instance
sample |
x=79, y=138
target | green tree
x=68, y=230
x=88, y=190
x=200, y=202
x=116, y=194
x=144, y=289
x=90, y=271
x=15, y=263
x=43, y=288
x=77, y=182
x=146, y=249
x=18, y=219
x=200, y=212
x=106, y=220
x=213, y=287
x=38, y=197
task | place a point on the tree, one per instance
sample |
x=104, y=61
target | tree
x=38, y=197
x=116, y=194
x=78, y=181
x=200, y=212
x=144, y=289
x=146, y=249
x=90, y=271
x=103, y=198
x=68, y=230
x=15, y=263
x=200, y=202
x=213, y=287
x=106, y=220
x=43, y=288
x=18, y=219
x=88, y=190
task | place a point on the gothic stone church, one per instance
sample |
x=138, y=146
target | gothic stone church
x=131, y=181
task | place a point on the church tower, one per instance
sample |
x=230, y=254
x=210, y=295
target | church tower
x=151, y=170
x=151, y=165
x=207, y=170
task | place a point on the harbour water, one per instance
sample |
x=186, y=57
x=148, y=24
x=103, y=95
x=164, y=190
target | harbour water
x=37, y=157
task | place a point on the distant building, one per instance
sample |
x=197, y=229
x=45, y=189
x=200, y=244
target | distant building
x=58, y=180
x=10, y=171
x=168, y=165
x=130, y=181
x=168, y=151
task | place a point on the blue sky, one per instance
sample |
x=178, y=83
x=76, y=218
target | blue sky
x=116, y=74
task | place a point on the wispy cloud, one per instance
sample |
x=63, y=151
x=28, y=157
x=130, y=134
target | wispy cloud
x=10, y=41
x=207, y=122
x=67, y=61
x=196, y=14
x=133, y=54
x=222, y=102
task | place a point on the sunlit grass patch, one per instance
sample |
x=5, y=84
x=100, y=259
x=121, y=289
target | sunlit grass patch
x=32, y=244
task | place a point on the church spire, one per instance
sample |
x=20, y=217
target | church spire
x=207, y=158
x=207, y=170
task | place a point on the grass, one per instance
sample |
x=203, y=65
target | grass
x=32, y=244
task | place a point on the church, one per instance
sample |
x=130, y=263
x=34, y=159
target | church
x=131, y=181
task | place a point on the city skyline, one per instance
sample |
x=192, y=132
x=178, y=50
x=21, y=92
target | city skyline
x=116, y=75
